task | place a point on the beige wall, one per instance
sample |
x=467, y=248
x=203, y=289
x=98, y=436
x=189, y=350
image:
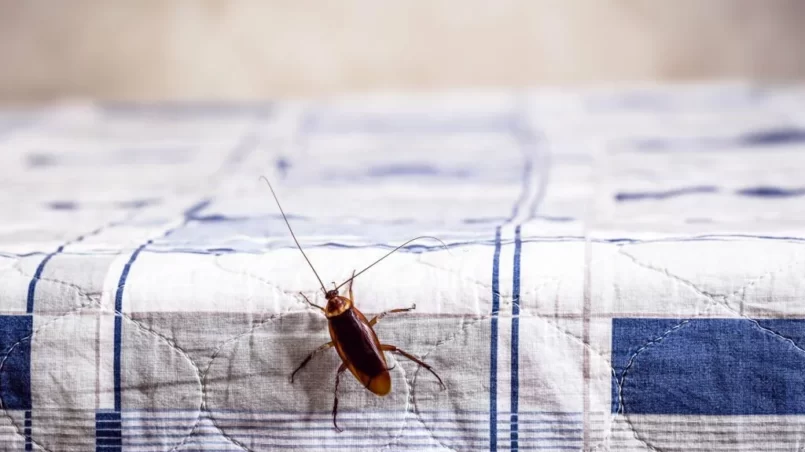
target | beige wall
x=158, y=49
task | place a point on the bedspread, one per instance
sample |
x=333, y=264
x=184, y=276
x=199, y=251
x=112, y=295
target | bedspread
x=622, y=270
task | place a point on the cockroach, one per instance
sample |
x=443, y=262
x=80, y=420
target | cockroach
x=352, y=335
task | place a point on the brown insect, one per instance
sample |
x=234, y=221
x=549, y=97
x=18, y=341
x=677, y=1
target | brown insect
x=352, y=335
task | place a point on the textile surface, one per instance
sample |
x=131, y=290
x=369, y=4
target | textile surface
x=623, y=271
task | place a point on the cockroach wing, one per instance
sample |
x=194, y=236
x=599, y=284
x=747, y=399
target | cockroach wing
x=358, y=347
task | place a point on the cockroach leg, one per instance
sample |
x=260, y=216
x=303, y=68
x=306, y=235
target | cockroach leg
x=311, y=303
x=310, y=356
x=393, y=349
x=338, y=373
x=377, y=318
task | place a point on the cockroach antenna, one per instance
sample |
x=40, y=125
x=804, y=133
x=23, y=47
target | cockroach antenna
x=284, y=217
x=392, y=252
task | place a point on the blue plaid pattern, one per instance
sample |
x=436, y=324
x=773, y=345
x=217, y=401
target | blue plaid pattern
x=622, y=271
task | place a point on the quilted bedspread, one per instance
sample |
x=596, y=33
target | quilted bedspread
x=624, y=270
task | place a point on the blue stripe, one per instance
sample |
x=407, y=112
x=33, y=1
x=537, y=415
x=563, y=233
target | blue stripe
x=771, y=192
x=38, y=274
x=545, y=169
x=109, y=425
x=515, y=352
x=525, y=139
x=41, y=267
x=417, y=249
x=121, y=286
x=15, y=346
x=108, y=432
x=117, y=352
x=192, y=212
x=108, y=416
x=659, y=195
x=119, y=320
x=724, y=367
x=493, y=353
x=30, y=309
x=526, y=182
x=28, y=443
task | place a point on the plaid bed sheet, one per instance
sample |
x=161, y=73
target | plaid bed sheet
x=623, y=272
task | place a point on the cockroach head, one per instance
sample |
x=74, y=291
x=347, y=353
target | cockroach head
x=330, y=294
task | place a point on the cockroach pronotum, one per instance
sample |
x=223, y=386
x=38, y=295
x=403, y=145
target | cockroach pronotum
x=352, y=335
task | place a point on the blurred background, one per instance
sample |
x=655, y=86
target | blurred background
x=236, y=50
